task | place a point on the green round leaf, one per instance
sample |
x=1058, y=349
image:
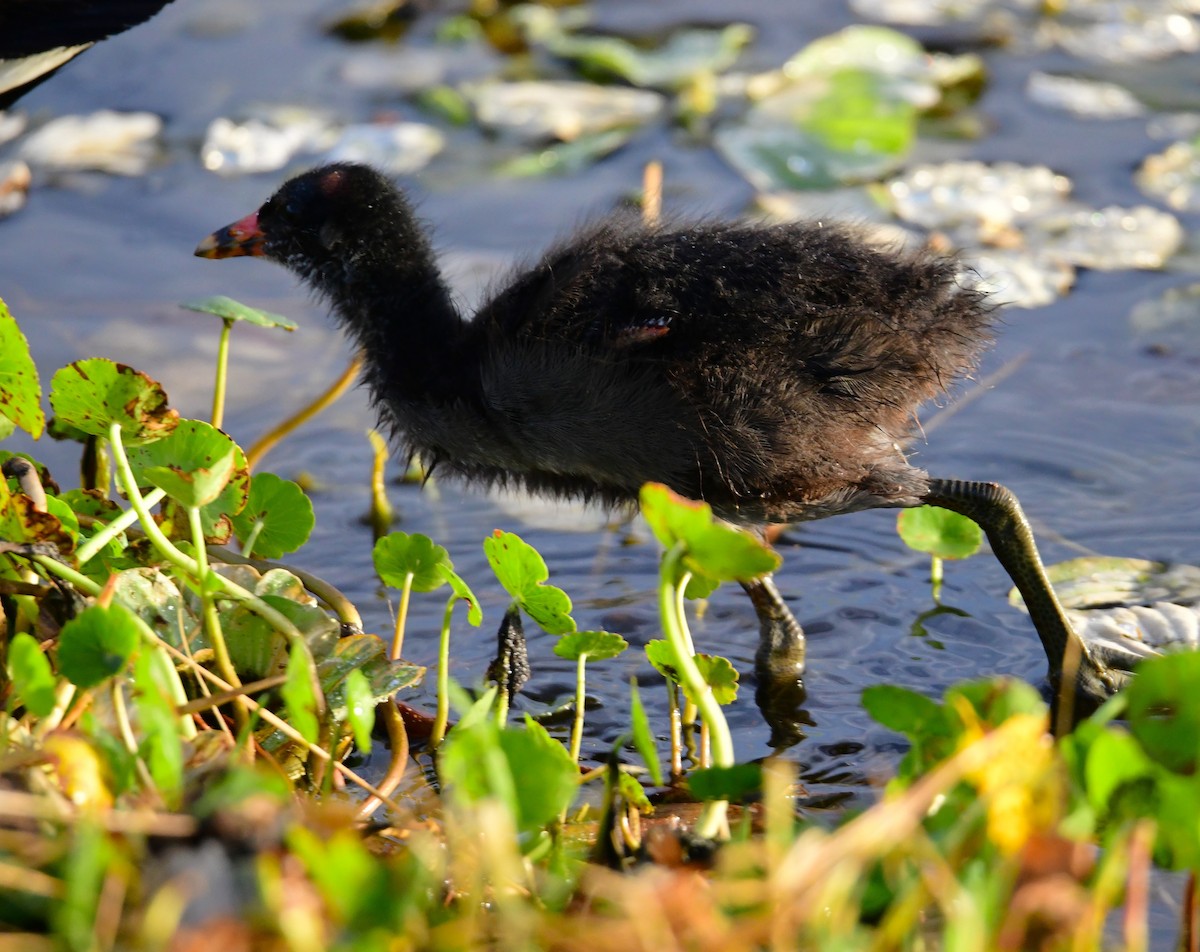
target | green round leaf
x=643, y=737
x=720, y=675
x=281, y=512
x=522, y=572
x=462, y=591
x=1164, y=710
x=360, y=708
x=939, y=532
x=29, y=671
x=194, y=465
x=96, y=644
x=737, y=782
x=482, y=762
x=714, y=549
x=20, y=390
x=597, y=645
x=661, y=656
x=90, y=395
x=299, y=695
x=231, y=310
x=398, y=555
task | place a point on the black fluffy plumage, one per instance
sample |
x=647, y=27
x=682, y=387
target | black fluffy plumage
x=38, y=37
x=773, y=371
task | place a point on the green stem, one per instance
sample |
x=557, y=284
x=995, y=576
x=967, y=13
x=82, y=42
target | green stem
x=442, y=717
x=676, y=731
x=182, y=561
x=122, y=522
x=577, y=727
x=712, y=821
x=248, y=544
x=401, y=617
x=88, y=587
x=936, y=573
x=688, y=715
x=68, y=574
x=334, y=600
x=125, y=729
x=208, y=608
x=218, y=410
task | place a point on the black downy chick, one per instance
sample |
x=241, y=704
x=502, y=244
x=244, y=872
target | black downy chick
x=773, y=371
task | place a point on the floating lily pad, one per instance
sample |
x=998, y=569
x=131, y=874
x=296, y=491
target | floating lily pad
x=399, y=148
x=950, y=194
x=1089, y=99
x=1129, y=607
x=1173, y=176
x=540, y=111
x=15, y=179
x=265, y=140
x=105, y=141
x=566, y=157
x=670, y=65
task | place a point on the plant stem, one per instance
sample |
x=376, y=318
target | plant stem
x=442, y=718
x=172, y=554
x=401, y=617
x=267, y=441
x=118, y=525
x=125, y=729
x=248, y=545
x=218, y=410
x=334, y=600
x=208, y=608
x=676, y=731
x=711, y=822
x=577, y=727
x=688, y=715
x=271, y=718
x=382, y=515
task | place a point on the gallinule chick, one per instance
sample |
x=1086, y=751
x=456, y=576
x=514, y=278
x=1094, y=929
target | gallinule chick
x=772, y=371
x=38, y=37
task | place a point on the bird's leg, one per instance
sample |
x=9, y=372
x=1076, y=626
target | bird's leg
x=778, y=665
x=999, y=514
x=781, y=639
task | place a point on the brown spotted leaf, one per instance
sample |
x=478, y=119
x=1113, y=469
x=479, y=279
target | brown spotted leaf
x=90, y=395
x=20, y=391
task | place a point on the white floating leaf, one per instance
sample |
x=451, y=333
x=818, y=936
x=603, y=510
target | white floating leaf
x=1082, y=97
x=399, y=148
x=1112, y=238
x=948, y=195
x=14, y=186
x=120, y=143
x=1173, y=176
x=539, y=111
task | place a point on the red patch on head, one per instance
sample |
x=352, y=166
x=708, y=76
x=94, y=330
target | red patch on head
x=332, y=182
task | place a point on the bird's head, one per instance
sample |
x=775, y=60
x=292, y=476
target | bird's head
x=308, y=223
